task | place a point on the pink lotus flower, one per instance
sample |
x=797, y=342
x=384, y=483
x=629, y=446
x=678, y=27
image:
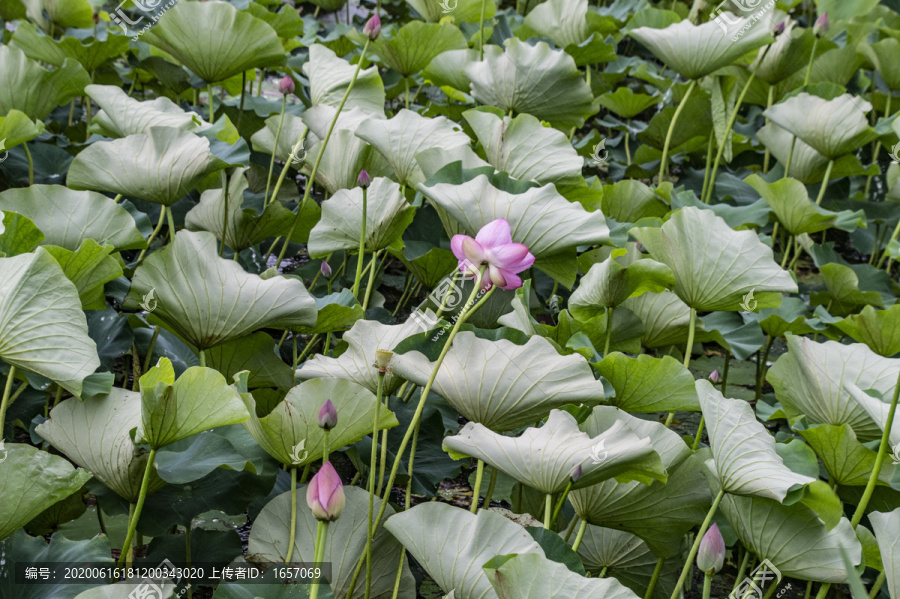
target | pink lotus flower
x=493, y=245
x=711, y=556
x=372, y=27
x=328, y=417
x=325, y=494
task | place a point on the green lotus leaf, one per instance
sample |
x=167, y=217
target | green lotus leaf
x=344, y=545
x=18, y=235
x=464, y=10
x=427, y=263
x=41, y=479
x=256, y=353
x=449, y=68
x=695, y=51
x=790, y=202
x=564, y=22
x=16, y=128
x=121, y=116
x=534, y=79
x=402, y=137
x=627, y=104
x=292, y=130
x=843, y=294
x=544, y=458
x=848, y=462
x=524, y=148
x=31, y=89
x=877, y=409
x=660, y=513
x=64, y=13
x=646, y=384
x=183, y=276
x=789, y=317
x=744, y=457
x=609, y=283
x=715, y=266
x=789, y=54
x=831, y=127
x=629, y=201
x=532, y=576
x=172, y=410
x=792, y=537
x=91, y=55
x=90, y=267
x=329, y=77
x=215, y=40
x=414, y=45
x=68, y=218
x=539, y=217
x=43, y=329
x=884, y=56
x=665, y=317
x=160, y=166
x=387, y=216
x=95, y=435
x=291, y=434
x=534, y=377
x=453, y=544
x=887, y=531
x=337, y=312
x=807, y=165
x=879, y=329
x=811, y=380
x=356, y=363
x=286, y=23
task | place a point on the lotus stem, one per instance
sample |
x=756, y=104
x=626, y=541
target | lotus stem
x=307, y=349
x=406, y=82
x=321, y=537
x=709, y=147
x=490, y=491
x=225, y=217
x=159, y=224
x=315, y=168
x=479, y=473
x=687, y=353
x=787, y=251
x=150, y=347
x=5, y=402
x=203, y=358
x=825, y=182
x=787, y=165
x=274, y=148
x=212, y=109
x=681, y=105
x=243, y=92
x=412, y=457
x=373, y=464
x=886, y=251
x=741, y=569
x=480, y=33
x=699, y=434
x=560, y=503
x=655, y=578
x=369, y=286
x=876, y=586
x=571, y=528
x=762, y=366
x=812, y=58
x=688, y=565
x=808, y=589
x=609, y=313
x=305, y=474
x=278, y=183
x=30, y=163
x=548, y=510
x=707, y=585
x=117, y=198
x=171, y=219
x=382, y=462
x=579, y=536
x=627, y=149
x=326, y=450
x=879, y=459
x=771, y=100
x=362, y=246
x=142, y=496
x=887, y=113
x=293, y=533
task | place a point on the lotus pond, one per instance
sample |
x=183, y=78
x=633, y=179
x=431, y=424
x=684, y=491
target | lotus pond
x=552, y=299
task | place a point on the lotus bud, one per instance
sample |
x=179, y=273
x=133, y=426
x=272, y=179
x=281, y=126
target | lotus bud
x=779, y=29
x=325, y=494
x=577, y=473
x=328, y=418
x=372, y=28
x=382, y=359
x=286, y=85
x=711, y=556
x=714, y=377
x=364, y=180
x=822, y=25
x=325, y=269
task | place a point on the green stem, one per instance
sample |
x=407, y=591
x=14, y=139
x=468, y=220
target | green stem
x=787, y=165
x=371, y=280
x=891, y=240
x=787, y=251
x=171, y=219
x=681, y=105
x=699, y=434
x=548, y=510
x=321, y=537
x=406, y=82
x=481, y=32
x=479, y=474
x=30, y=163
x=709, y=147
x=225, y=216
x=362, y=246
x=825, y=182
x=887, y=113
x=741, y=569
x=274, y=150
x=707, y=585
x=653, y=579
x=293, y=533
x=203, y=358
x=812, y=58
x=762, y=366
x=212, y=109
x=876, y=587
x=490, y=491
x=142, y=496
x=690, y=339
x=187, y=551
x=150, y=349
x=609, y=313
x=571, y=528
x=243, y=92
x=162, y=219
x=579, y=536
x=769, y=593
x=5, y=402
x=560, y=503
x=689, y=564
x=771, y=100
x=373, y=465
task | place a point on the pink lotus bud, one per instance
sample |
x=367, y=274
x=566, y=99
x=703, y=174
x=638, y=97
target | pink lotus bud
x=286, y=85
x=364, y=180
x=577, y=473
x=372, y=28
x=822, y=25
x=714, y=377
x=779, y=29
x=325, y=494
x=328, y=418
x=711, y=556
x=325, y=269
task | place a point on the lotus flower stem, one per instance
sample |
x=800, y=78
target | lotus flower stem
x=707, y=585
x=373, y=464
x=382, y=464
x=787, y=251
x=490, y=491
x=709, y=147
x=307, y=349
x=305, y=474
x=825, y=182
x=481, y=34
x=812, y=58
x=30, y=163
x=479, y=473
x=699, y=434
x=5, y=402
x=665, y=156
x=225, y=217
x=579, y=536
x=142, y=496
x=362, y=246
x=560, y=503
x=787, y=165
x=771, y=100
x=762, y=366
x=688, y=565
x=212, y=108
x=609, y=313
x=653, y=579
x=243, y=92
x=365, y=303
x=274, y=149
x=742, y=568
x=159, y=224
x=887, y=113
x=548, y=510
x=171, y=220
x=202, y=358
x=571, y=528
x=293, y=533
x=150, y=349
x=321, y=537
x=315, y=168
x=876, y=586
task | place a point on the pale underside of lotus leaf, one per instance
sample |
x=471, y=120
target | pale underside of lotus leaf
x=41, y=479
x=697, y=50
x=400, y=138
x=329, y=77
x=291, y=434
x=67, y=217
x=465, y=10
x=387, y=215
x=183, y=276
x=792, y=537
x=95, y=435
x=646, y=384
x=524, y=148
x=790, y=202
x=534, y=79
x=877, y=410
x=448, y=68
x=159, y=166
x=356, y=363
x=609, y=283
x=121, y=116
x=715, y=266
x=660, y=513
x=789, y=54
x=665, y=317
x=744, y=455
x=293, y=129
x=215, y=40
x=540, y=217
x=344, y=544
x=811, y=380
x=453, y=544
x=544, y=458
x=31, y=89
x=42, y=326
x=832, y=127
x=532, y=576
x=887, y=530
x=807, y=165
x=564, y=22
x=503, y=385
